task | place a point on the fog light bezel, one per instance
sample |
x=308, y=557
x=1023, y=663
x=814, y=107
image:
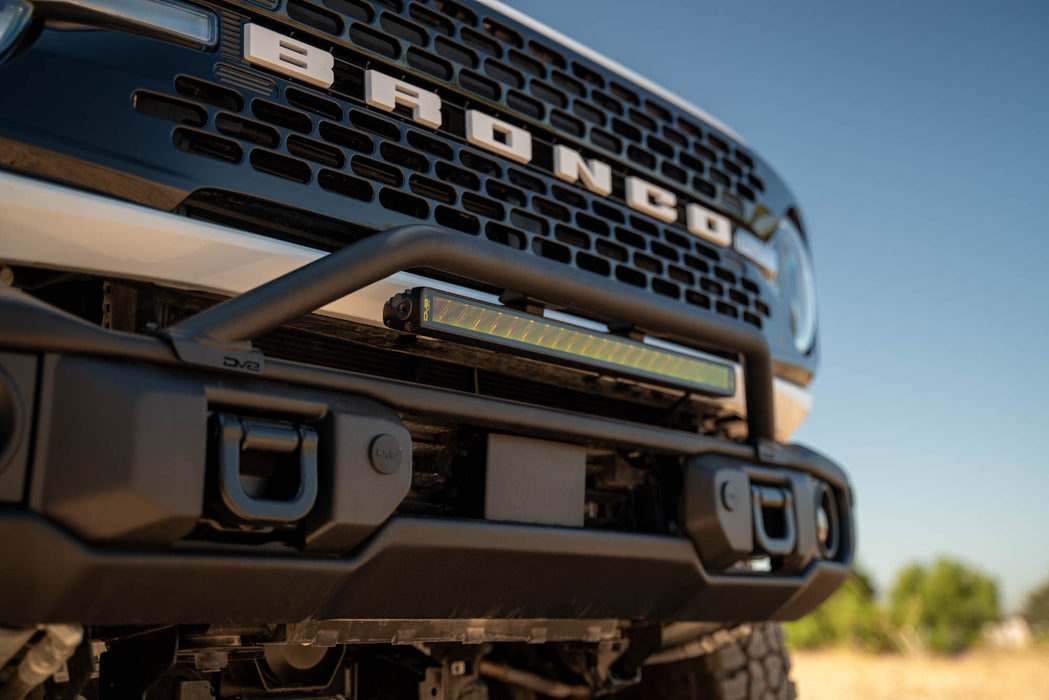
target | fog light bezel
x=826, y=502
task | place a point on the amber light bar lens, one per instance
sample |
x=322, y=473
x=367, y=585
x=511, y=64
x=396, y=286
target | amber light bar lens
x=442, y=313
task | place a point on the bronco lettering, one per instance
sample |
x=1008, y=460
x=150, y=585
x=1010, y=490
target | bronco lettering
x=483, y=130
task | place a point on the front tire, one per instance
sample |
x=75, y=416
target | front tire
x=748, y=662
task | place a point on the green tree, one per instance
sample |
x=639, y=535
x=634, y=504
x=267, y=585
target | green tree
x=945, y=606
x=1036, y=609
x=849, y=617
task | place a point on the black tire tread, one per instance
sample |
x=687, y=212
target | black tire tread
x=749, y=662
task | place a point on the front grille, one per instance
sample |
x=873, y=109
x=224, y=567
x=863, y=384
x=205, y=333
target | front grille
x=333, y=142
x=484, y=56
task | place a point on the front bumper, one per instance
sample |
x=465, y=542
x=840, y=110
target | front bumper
x=105, y=473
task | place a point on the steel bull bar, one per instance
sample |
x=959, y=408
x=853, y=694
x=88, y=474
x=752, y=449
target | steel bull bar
x=407, y=567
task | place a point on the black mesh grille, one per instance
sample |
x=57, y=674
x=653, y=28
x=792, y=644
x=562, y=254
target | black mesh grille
x=332, y=141
x=543, y=82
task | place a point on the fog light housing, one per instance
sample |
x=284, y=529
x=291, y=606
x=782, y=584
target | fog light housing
x=828, y=531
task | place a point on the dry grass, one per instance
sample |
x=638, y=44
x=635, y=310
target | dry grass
x=1022, y=674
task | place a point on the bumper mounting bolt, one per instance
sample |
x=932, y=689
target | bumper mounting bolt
x=729, y=495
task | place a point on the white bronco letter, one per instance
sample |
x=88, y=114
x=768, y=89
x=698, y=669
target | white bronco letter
x=384, y=92
x=272, y=50
x=651, y=199
x=570, y=166
x=498, y=136
x=707, y=224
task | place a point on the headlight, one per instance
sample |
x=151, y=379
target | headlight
x=164, y=19
x=14, y=18
x=795, y=284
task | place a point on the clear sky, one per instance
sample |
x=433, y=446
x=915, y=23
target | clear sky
x=916, y=137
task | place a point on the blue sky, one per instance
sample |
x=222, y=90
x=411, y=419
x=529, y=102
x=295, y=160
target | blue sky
x=916, y=137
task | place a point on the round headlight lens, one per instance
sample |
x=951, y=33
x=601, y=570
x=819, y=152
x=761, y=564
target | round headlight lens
x=795, y=284
x=14, y=18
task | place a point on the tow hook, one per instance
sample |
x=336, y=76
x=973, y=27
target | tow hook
x=773, y=519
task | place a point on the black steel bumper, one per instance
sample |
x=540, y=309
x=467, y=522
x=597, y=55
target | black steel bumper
x=103, y=472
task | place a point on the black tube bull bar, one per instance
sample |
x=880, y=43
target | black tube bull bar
x=220, y=336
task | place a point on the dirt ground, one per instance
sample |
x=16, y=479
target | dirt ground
x=1020, y=674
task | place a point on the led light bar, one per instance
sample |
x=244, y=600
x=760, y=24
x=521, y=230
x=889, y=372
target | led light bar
x=429, y=312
